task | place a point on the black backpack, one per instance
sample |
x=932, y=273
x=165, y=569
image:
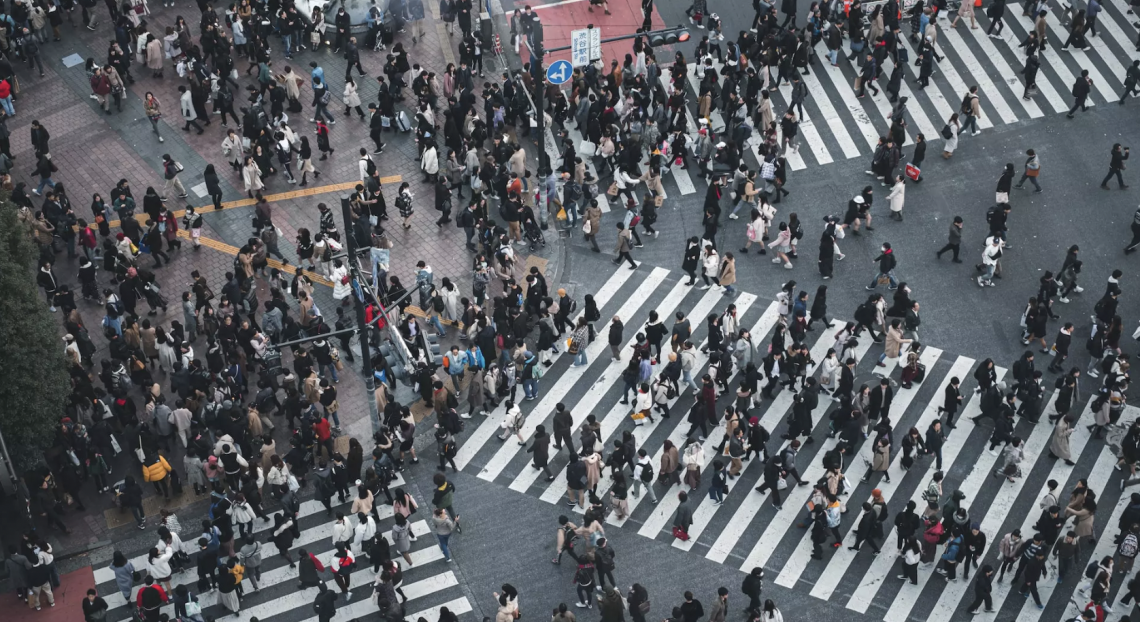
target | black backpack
x=947, y=133
x=647, y=473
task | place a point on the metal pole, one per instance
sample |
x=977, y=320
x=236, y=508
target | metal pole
x=365, y=347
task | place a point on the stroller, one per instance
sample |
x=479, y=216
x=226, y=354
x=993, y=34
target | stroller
x=533, y=234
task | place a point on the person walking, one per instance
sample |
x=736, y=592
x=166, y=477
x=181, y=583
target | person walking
x=972, y=110
x=887, y=263
x=623, y=246
x=170, y=171
x=953, y=240
x=1081, y=88
x=1032, y=170
x=990, y=256
x=1115, y=166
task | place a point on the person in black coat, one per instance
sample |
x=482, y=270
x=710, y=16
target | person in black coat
x=881, y=398
x=983, y=586
x=615, y=338
x=867, y=529
x=1081, y=90
x=773, y=471
x=951, y=400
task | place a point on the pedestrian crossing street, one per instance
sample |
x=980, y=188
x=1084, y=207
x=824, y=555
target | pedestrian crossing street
x=837, y=125
x=746, y=530
x=429, y=583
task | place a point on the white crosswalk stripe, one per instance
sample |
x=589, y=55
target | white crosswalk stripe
x=1054, y=98
x=428, y=582
x=751, y=533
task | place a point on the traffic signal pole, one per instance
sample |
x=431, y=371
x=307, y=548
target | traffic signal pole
x=544, y=166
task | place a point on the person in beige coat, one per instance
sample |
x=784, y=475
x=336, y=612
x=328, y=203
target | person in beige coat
x=897, y=197
x=727, y=276
x=251, y=175
x=1084, y=516
x=1059, y=447
x=764, y=110
x=894, y=342
x=517, y=162
x=292, y=83
x=154, y=56
x=593, y=220
x=880, y=460
x=966, y=9
x=670, y=463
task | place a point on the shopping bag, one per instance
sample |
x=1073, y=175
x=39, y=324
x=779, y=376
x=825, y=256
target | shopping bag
x=680, y=534
x=913, y=171
x=613, y=190
x=587, y=148
x=561, y=214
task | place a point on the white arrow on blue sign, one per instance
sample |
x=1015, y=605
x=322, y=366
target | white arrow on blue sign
x=559, y=72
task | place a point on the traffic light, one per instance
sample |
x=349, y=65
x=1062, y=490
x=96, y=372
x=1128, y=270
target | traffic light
x=670, y=36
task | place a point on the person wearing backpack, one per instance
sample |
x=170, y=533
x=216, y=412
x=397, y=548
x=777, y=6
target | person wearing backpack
x=643, y=475
x=325, y=603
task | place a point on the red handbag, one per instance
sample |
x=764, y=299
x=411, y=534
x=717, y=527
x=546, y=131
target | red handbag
x=680, y=534
x=913, y=172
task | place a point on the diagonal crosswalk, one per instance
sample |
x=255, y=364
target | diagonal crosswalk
x=746, y=531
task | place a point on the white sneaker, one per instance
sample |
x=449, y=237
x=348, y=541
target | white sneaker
x=704, y=287
x=980, y=282
x=975, y=132
x=788, y=266
x=1078, y=289
x=465, y=416
x=777, y=260
x=733, y=217
x=1064, y=300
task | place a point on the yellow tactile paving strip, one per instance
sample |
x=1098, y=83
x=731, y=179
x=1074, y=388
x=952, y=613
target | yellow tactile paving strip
x=280, y=196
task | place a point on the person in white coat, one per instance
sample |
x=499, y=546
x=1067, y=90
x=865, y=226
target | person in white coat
x=829, y=371
x=365, y=531
x=897, y=197
x=342, y=285
x=186, y=103
x=351, y=99
x=952, y=142
x=158, y=565
x=342, y=532
x=242, y=514
x=429, y=163
x=711, y=266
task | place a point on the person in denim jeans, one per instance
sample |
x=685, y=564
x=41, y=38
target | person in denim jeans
x=719, y=484
x=443, y=527
x=529, y=381
x=6, y=98
x=990, y=257
x=579, y=340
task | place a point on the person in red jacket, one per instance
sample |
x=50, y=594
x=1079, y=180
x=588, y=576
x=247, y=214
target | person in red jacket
x=101, y=87
x=6, y=98
x=150, y=600
x=323, y=431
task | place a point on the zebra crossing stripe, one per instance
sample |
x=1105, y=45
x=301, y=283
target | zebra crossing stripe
x=797, y=496
x=989, y=93
x=752, y=502
x=925, y=126
x=996, y=514
x=614, y=418
x=881, y=566
x=566, y=382
x=360, y=608
x=823, y=100
x=932, y=91
x=841, y=560
x=1044, y=86
x=1106, y=21
x=1084, y=61
x=483, y=433
x=1060, y=473
x=767, y=320
x=772, y=416
x=1004, y=70
x=884, y=107
x=280, y=575
x=810, y=135
x=862, y=121
x=611, y=374
x=797, y=563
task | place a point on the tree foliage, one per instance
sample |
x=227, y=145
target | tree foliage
x=34, y=385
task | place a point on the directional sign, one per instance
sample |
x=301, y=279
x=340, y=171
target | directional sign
x=580, y=47
x=585, y=46
x=559, y=72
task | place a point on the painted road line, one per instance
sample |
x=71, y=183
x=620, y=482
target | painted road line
x=478, y=438
x=1004, y=70
x=847, y=95
x=280, y=196
x=588, y=401
x=841, y=560
x=767, y=320
x=1044, y=86
x=1060, y=472
x=613, y=419
x=799, y=559
x=570, y=377
x=771, y=418
x=996, y=513
x=932, y=91
x=883, y=563
x=796, y=496
x=830, y=116
x=988, y=92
